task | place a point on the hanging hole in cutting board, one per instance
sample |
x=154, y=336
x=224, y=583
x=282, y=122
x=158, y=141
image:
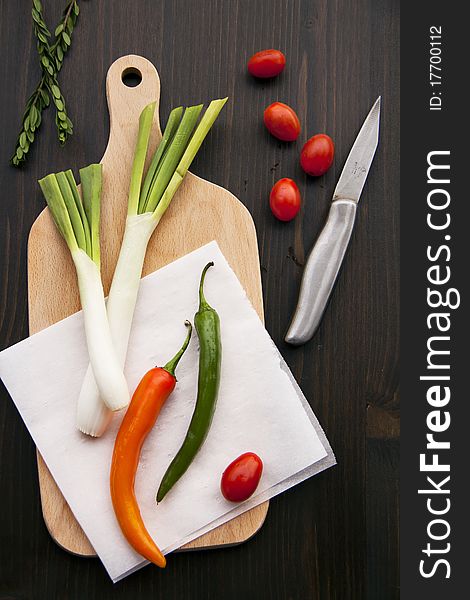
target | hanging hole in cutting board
x=131, y=77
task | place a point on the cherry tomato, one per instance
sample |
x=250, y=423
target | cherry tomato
x=317, y=154
x=240, y=479
x=282, y=122
x=267, y=63
x=284, y=199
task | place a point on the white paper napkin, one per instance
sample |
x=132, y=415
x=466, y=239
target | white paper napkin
x=260, y=408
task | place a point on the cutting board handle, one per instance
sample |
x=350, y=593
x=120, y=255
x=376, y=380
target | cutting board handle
x=126, y=103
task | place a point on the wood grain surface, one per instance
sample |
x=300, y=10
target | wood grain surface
x=52, y=280
x=336, y=535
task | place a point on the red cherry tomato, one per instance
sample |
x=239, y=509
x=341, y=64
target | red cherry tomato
x=282, y=122
x=267, y=63
x=317, y=154
x=284, y=199
x=240, y=479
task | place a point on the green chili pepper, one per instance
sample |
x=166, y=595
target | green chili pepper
x=207, y=326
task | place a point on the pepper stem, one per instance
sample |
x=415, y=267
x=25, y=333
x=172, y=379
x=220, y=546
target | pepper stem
x=202, y=299
x=172, y=364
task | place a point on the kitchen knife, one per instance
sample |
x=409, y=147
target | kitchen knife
x=325, y=259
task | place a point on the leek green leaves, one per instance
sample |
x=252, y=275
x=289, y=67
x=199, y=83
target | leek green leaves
x=181, y=140
x=77, y=220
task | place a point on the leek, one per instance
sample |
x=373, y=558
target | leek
x=149, y=198
x=78, y=223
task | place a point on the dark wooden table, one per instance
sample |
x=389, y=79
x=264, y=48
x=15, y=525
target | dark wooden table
x=335, y=536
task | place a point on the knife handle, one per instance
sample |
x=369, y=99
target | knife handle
x=321, y=270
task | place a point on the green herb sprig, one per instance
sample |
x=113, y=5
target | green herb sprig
x=51, y=59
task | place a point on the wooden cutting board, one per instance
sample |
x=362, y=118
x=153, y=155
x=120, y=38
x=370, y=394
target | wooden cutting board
x=200, y=212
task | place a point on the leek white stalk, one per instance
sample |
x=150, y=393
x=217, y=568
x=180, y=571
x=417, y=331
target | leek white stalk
x=107, y=369
x=93, y=416
x=148, y=201
x=79, y=225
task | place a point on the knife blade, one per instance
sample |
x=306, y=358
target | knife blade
x=324, y=261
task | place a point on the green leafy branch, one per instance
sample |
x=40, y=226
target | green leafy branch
x=51, y=58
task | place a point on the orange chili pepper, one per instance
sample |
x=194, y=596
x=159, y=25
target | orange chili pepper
x=144, y=408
